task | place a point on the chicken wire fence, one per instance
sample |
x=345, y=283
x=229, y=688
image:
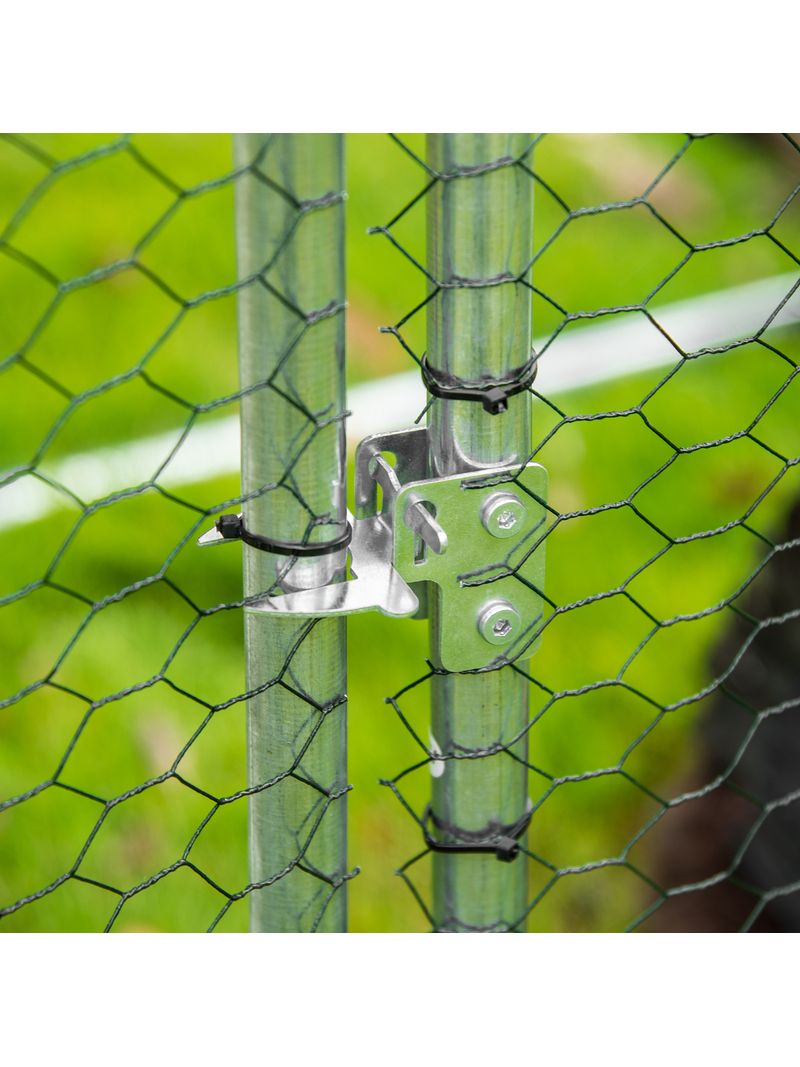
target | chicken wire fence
x=627, y=762
x=130, y=606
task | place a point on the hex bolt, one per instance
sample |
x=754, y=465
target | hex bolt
x=502, y=514
x=498, y=622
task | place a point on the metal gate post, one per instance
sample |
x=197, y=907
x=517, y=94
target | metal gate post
x=480, y=231
x=290, y=241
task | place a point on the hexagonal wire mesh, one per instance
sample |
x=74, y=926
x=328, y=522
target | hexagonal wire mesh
x=658, y=735
x=124, y=689
x=671, y=618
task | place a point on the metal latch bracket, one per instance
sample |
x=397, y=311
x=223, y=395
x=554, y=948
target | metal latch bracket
x=473, y=540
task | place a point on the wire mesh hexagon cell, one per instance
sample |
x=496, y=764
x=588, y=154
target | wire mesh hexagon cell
x=631, y=764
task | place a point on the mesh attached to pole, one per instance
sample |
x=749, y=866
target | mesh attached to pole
x=290, y=216
x=125, y=703
x=671, y=621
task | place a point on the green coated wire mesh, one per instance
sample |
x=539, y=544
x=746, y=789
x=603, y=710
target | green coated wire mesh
x=125, y=791
x=671, y=618
x=664, y=694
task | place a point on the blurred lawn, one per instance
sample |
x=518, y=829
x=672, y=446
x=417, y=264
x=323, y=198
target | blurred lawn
x=94, y=215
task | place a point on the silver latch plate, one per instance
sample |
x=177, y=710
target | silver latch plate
x=474, y=541
x=480, y=571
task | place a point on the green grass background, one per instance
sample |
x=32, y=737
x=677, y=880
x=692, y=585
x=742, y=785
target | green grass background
x=125, y=327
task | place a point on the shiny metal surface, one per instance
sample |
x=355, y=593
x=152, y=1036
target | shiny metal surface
x=410, y=451
x=419, y=518
x=480, y=232
x=476, y=566
x=498, y=622
x=502, y=514
x=393, y=561
x=291, y=358
x=375, y=585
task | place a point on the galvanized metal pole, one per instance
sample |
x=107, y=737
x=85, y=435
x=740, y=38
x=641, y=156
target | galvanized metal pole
x=479, y=239
x=290, y=234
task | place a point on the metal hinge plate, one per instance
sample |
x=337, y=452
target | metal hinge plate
x=473, y=541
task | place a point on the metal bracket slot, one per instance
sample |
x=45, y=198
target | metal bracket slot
x=469, y=538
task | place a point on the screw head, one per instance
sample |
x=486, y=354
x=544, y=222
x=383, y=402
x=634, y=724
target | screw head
x=498, y=622
x=502, y=514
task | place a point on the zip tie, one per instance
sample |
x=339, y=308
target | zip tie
x=232, y=528
x=492, y=394
x=503, y=842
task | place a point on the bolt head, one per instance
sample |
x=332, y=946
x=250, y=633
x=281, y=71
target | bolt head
x=499, y=622
x=503, y=514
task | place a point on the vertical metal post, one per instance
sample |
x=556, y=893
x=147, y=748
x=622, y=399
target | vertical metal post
x=480, y=232
x=290, y=241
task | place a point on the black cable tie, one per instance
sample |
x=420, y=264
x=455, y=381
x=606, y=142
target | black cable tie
x=503, y=842
x=492, y=394
x=232, y=528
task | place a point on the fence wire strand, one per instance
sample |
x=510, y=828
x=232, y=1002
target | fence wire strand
x=729, y=860
x=132, y=843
